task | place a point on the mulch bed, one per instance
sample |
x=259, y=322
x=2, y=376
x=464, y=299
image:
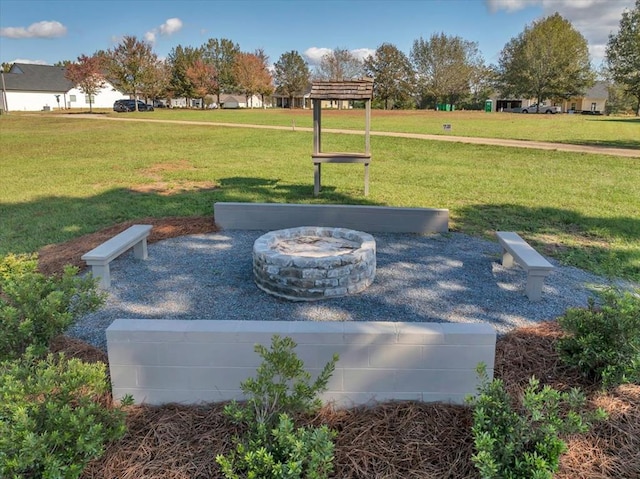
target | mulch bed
x=389, y=440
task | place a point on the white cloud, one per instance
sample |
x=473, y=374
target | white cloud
x=594, y=19
x=314, y=54
x=362, y=53
x=509, y=5
x=51, y=29
x=31, y=62
x=171, y=26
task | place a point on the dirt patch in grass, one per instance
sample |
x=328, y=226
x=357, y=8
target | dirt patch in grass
x=389, y=440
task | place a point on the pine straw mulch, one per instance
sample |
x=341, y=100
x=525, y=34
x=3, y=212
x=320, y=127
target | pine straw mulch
x=389, y=440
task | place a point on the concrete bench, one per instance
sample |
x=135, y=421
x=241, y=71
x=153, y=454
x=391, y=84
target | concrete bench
x=537, y=268
x=100, y=257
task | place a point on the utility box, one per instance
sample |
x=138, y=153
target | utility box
x=488, y=106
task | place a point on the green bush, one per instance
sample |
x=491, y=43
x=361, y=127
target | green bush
x=525, y=444
x=273, y=447
x=52, y=417
x=35, y=308
x=604, y=341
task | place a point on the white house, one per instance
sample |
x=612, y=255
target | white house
x=30, y=87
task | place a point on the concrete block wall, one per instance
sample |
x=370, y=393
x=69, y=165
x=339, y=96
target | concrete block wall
x=372, y=219
x=164, y=361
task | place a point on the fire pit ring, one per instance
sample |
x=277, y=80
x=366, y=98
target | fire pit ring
x=310, y=263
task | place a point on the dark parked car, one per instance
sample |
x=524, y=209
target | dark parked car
x=130, y=105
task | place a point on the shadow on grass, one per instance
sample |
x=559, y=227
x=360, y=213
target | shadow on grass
x=606, y=246
x=26, y=227
x=623, y=144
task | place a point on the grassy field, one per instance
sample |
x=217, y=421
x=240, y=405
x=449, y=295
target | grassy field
x=617, y=132
x=63, y=177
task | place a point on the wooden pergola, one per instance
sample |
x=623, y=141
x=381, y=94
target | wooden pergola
x=361, y=90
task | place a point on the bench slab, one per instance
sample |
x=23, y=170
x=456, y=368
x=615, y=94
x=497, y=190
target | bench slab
x=99, y=257
x=536, y=266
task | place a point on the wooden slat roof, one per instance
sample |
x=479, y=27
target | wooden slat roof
x=342, y=90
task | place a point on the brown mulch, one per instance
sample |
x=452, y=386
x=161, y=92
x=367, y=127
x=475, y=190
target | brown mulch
x=389, y=440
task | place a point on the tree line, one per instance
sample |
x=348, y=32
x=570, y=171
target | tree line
x=549, y=59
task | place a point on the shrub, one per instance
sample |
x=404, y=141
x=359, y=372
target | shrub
x=273, y=447
x=604, y=342
x=35, y=308
x=52, y=417
x=525, y=444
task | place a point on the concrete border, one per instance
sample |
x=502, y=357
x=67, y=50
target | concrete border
x=165, y=361
x=372, y=219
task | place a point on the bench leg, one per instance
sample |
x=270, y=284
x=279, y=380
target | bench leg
x=507, y=259
x=101, y=271
x=366, y=179
x=316, y=179
x=534, y=287
x=140, y=249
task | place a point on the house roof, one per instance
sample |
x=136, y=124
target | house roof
x=342, y=90
x=28, y=77
x=598, y=90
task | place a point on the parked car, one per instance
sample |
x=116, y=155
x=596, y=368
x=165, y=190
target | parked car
x=543, y=109
x=130, y=105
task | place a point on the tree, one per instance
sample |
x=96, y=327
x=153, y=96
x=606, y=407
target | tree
x=394, y=78
x=130, y=65
x=157, y=84
x=445, y=67
x=548, y=60
x=340, y=64
x=291, y=75
x=179, y=60
x=251, y=74
x=623, y=54
x=221, y=54
x=266, y=87
x=204, y=79
x=87, y=75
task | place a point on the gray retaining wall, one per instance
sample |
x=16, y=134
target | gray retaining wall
x=163, y=361
x=371, y=219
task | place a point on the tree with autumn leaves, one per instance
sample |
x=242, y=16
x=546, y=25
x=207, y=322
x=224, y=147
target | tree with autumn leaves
x=87, y=74
x=252, y=76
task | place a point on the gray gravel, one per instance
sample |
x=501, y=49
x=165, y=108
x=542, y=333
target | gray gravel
x=439, y=278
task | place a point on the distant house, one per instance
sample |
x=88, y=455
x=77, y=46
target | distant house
x=594, y=100
x=226, y=101
x=30, y=87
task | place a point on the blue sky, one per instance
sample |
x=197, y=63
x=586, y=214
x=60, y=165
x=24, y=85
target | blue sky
x=50, y=31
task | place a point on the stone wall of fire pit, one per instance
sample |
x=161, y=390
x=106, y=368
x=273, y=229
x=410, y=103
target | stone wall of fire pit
x=312, y=263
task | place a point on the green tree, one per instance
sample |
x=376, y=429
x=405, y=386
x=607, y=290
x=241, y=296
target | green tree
x=394, y=78
x=157, y=85
x=221, y=53
x=130, y=65
x=340, y=64
x=180, y=59
x=548, y=60
x=87, y=75
x=623, y=54
x=291, y=75
x=445, y=66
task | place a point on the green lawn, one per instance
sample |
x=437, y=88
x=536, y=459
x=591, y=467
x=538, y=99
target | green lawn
x=63, y=177
x=618, y=132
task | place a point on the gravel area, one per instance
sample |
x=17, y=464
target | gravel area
x=448, y=277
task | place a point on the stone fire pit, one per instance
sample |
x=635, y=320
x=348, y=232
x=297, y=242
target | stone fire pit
x=311, y=263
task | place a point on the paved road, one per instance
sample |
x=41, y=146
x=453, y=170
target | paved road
x=538, y=145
